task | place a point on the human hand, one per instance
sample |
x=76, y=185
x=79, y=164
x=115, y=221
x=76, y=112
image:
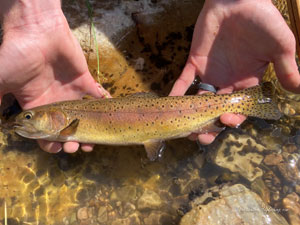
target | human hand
x=41, y=62
x=233, y=43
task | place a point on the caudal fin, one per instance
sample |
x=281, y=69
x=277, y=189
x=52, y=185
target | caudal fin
x=261, y=102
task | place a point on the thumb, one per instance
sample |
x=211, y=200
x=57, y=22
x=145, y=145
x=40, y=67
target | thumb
x=287, y=72
x=99, y=92
x=91, y=87
x=184, y=81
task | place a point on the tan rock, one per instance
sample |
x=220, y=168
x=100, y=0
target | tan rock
x=235, y=205
x=82, y=213
x=239, y=153
x=149, y=200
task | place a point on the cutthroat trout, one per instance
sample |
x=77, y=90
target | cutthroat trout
x=142, y=118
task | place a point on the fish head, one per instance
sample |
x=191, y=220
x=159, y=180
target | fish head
x=40, y=123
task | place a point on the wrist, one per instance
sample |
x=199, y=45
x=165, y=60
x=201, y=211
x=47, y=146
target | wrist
x=23, y=14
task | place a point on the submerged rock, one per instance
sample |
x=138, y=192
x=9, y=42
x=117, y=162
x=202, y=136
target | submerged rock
x=289, y=169
x=82, y=213
x=292, y=203
x=239, y=153
x=149, y=200
x=102, y=215
x=273, y=159
x=130, y=220
x=232, y=205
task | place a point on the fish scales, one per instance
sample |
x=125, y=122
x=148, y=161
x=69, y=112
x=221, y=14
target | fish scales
x=142, y=119
x=122, y=123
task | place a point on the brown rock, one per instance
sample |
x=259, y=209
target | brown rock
x=292, y=204
x=273, y=159
x=289, y=172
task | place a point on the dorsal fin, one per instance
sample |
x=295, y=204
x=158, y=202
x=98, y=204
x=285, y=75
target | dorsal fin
x=70, y=129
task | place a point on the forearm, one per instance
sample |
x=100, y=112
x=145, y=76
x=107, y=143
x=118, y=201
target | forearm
x=19, y=13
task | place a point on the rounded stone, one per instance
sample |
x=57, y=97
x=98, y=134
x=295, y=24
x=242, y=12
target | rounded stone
x=82, y=213
x=149, y=200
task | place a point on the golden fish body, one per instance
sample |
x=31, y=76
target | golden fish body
x=141, y=119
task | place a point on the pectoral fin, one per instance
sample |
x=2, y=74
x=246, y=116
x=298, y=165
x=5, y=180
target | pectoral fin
x=154, y=148
x=70, y=129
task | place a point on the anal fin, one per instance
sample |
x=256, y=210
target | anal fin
x=154, y=149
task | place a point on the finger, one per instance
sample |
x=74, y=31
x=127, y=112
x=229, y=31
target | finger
x=232, y=120
x=184, y=81
x=91, y=87
x=206, y=139
x=49, y=146
x=70, y=146
x=201, y=92
x=96, y=90
x=87, y=147
x=226, y=90
x=104, y=93
x=193, y=136
x=287, y=72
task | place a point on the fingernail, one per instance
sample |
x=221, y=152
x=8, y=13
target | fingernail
x=55, y=151
x=102, y=91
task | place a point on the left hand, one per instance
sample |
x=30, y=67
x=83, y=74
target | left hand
x=233, y=43
x=41, y=62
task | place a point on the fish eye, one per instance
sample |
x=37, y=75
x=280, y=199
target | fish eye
x=28, y=115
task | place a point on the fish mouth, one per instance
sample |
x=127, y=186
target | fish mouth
x=28, y=131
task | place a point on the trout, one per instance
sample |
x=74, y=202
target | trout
x=142, y=118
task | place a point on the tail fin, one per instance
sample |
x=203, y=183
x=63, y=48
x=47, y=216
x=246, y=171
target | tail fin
x=261, y=102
